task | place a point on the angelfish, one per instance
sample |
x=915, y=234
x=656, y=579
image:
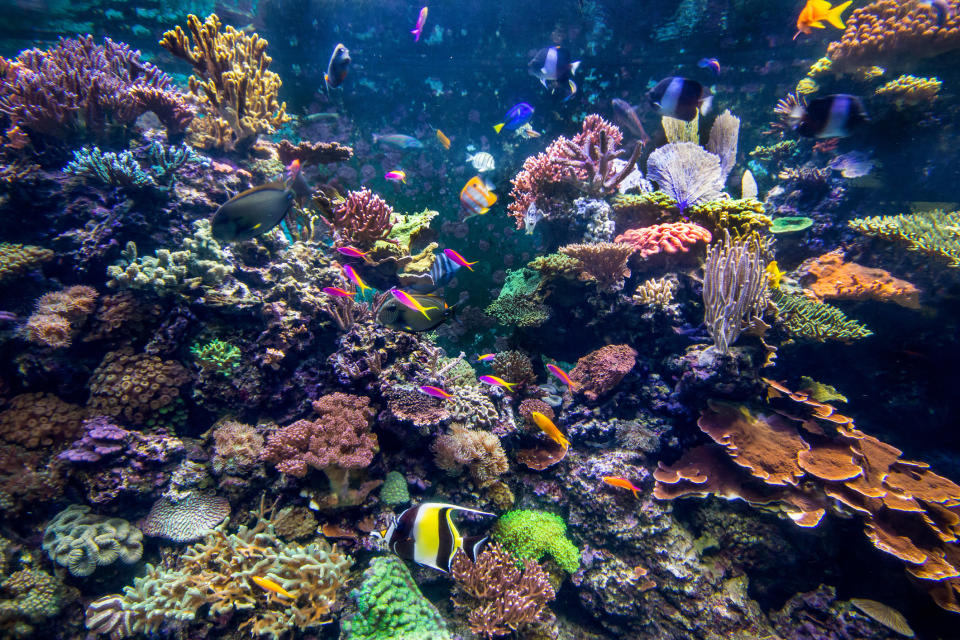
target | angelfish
x=252, y=212
x=680, y=98
x=337, y=67
x=426, y=534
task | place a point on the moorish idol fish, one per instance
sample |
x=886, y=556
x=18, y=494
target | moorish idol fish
x=426, y=534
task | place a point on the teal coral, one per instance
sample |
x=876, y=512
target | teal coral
x=115, y=169
x=82, y=541
x=804, y=318
x=389, y=605
x=518, y=304
x=217, y=356
x=529, y=535
x=394, y=489
x=933, y=233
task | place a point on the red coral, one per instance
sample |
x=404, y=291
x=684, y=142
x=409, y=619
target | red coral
x=361, y=219
x=600, y=371
x=674, y=237
x=538, y=182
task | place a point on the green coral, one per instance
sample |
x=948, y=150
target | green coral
x=82, y=541
x=389, y=605
x=394, y=489
x=739, y=216
x=529, y=535
x=556, y=265
x=821, y=392
x=775, y=151
x=216, y=356
x=29, y=596
x=933, y=233
x=518, y=303
x=790, y=224
x=413, y=229
x=802, y=317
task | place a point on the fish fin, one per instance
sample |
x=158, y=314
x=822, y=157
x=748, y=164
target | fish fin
x=573, y=90
x=797, y=34
x=576, y=65
x=705, y=105
x=833, y=16
x=543, y=79
x=497, y=127
x=472, y=546
x=817, y=25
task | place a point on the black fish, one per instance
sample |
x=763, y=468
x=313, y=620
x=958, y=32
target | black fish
x=554, y=68
x=395, y=315
x=337, y=67
x=252, y=212
x=626, y=116
x=833, y=116
x=680, y=98
x=426, y=534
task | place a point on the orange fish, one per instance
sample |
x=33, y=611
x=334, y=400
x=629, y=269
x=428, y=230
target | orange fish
x=444, y=140
x=623, y=483
x=560, y=373
x=546, y=425
x=269, y=585
x=815, y=12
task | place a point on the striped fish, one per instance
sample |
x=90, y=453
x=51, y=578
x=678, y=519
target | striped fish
x=476, y=198
x=441, y=272
x=426, y=534
x=482, y=161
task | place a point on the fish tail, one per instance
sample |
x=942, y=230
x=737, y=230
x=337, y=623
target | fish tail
x=469, y=265
x=635, y=494
x=705, y=105
x=833, y=16
x=497, y=127
x=509, y=385
x=416, y=34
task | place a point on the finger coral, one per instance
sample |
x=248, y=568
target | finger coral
x=82, y=541
x=232, y=81
x=58, y=316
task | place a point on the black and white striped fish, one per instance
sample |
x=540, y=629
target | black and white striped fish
x=441, y=272
x=426, y=534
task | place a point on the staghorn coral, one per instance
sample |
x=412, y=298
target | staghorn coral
x=724, y=135
x=829, y=277
x=675, y=237
x=809, y=319
x=480, y=451
x=909, y=91
x=602, y=262
x=58, y=316
x=531, y=534
x=361, y=219
x=589, y=157
x=502, y=598
x=390, y=605
x=600, y=371
x=890, y=32
x=17, y=259
x=217, y=572
x=687, y=172
x=113, y=169
x=82, y=541
x=139, y=387
x=231, y=81
x=186, y=519
x=933, y=233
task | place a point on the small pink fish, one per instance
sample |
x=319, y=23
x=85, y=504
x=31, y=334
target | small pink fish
x=337, y=292
x=354, y=277
x=421, y=19
x=436, y=392
x=487, y=356
x=560, y=373
x=397, y=175
x=353, y=252
x=497, y=382
x=459, y=259
x=406, y=300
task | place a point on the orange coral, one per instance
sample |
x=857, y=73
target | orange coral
x=480, y=451
x=58, y=316
x=40, y=420
x=139, y=387
x=829, y=277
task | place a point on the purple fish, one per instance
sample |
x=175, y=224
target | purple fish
x=421, y=19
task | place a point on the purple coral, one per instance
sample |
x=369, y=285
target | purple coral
x=102, y=439
x=687, y=172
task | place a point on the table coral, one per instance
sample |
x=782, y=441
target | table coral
x=933, y=233
x=676, y=237
x=829, y=277
x=17, y=259
x=390, y=605
x=231, y=81
x=598, y=372
x=82, y=541
x=531, y=534
x=58, y=316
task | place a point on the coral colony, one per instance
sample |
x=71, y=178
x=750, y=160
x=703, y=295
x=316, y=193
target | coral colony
x=278, y=362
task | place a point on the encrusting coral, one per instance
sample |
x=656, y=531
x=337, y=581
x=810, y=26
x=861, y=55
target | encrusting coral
x=82, y=541
x=830, y=277
x=598, y=372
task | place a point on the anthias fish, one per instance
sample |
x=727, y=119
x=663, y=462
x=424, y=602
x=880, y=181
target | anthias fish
x=436, y=392
x=560, y=373
x=443, y=139
x=553, y=67
x=397, y=175
x=421, y=20
x=397, y=141
x=252, y=212
x=833, y=116
x=269, y=585
x=426, y=534
x=397, y=315
x=623, y=483
x=709, y=63
x=815, y=12
x=546, y=425
x=337, y=292
x=355, y=278
x=353, y=252
x=680, y=98
x=476, y=198
x=337, y=67
x=459, y=259
x=518, y=115
x=495, y=381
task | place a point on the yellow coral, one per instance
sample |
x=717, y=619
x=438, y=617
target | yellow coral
x=910, y=91
x=807, y=86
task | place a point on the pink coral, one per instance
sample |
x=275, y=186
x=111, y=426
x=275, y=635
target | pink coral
x=674, y=237
x=600, y=371
x=361, y=219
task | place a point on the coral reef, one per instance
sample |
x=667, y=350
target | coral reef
x=82, y=542
x=830, y=277
x=598, y=372
x=687, y=172
x=141, y=388
x=530, y=535
x=909, y=91
x=809, y=319
x=932, y=233
x=58, y=316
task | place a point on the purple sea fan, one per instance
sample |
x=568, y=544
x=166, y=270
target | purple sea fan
x=687, y=172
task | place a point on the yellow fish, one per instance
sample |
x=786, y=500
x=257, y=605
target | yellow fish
x=269, y=585
x=476, y=198
x=774, y=275
x=547, y=426
x=444, y=140
x=817, y=10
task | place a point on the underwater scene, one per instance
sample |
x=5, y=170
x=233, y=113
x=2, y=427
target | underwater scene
x=461, y=319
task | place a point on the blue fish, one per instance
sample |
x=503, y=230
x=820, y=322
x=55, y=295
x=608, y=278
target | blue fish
x=710, y=63
x=397, y=141
x=518, y=116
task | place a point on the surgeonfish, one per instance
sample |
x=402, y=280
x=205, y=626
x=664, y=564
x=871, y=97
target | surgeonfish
x=396, y=315
x=443, y=139
x=482, y=161
x=680, y=98
x=815, y=11
x=626, y=116
x=546, y=425
x=436, y=392
x=832, y=116
x=426, y=534
x=252, y=212
x=459, y=259
x=476, y=198
x=421, y=19
x=397, y=141
x=710, y=63
x=517, y=116
x=494, y=381
x=269, y=585
x=560, y=373
x=355, y=278
x=337, y=67
x=397, y=175
x=623, y=483
x=553, y=67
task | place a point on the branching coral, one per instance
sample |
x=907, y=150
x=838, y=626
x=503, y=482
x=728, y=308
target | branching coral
x=933, y=233
x=231, y=81
x=124, y=170
x=58, y=316
x=734, y=290
x=361, y=219
x=829, y=277
x=687, y=172
x=809, y=319
x=480, y=451
x=216, y=356
x=502, y=598
x=530, y=535
x=82, y=542
x=602, y=262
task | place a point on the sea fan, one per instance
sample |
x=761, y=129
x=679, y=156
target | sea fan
x=687, y=172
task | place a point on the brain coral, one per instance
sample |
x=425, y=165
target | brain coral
x=135, y=386
x=187, y=519
x=82, y=541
